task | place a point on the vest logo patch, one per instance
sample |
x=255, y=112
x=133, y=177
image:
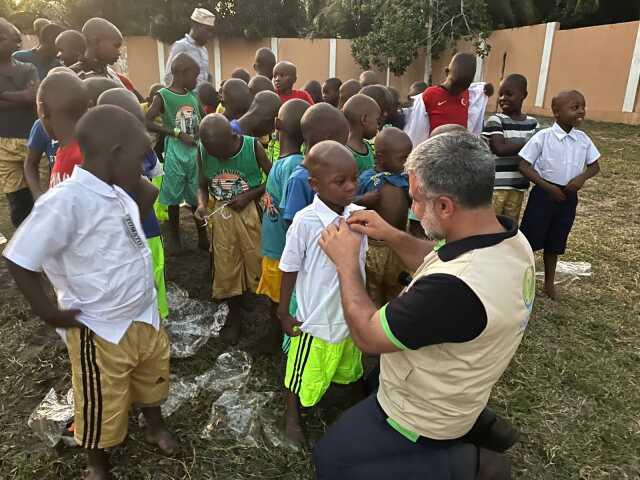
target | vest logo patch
x=529, y=287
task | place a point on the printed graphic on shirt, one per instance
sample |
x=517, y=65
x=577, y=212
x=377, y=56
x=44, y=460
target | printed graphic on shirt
x=228, y=185
x=269, y=207
x=529, y=287
x=187, y=120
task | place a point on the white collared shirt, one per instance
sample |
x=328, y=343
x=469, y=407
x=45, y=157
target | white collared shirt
x=189, y=46
x=317, y=285
x=78, y=236
x=558, y=156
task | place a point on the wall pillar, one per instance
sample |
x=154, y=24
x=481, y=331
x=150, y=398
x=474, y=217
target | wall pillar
x=274, y=47
x=161, y=61
x=634, y=77
x=333, y=57
x=545, y=62
x=217, y=63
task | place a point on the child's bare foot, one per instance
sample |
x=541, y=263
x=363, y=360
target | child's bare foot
x=293, y=431
x=550, y=290
x=161, y=438
x=94, y=473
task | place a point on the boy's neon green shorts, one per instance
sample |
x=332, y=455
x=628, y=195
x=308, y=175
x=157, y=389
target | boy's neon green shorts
x=313, y=364
x=157, y=255
x=161, y=211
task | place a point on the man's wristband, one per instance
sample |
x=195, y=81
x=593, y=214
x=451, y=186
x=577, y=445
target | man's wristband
x=176, y=132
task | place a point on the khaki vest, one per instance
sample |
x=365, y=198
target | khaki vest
x=439, y=391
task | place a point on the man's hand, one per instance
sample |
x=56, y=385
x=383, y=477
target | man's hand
x=240, y=202
x=557, y=194
x=187, y=139
x=370, y=223
x=63, y=319
x=341, y=243
x=201, y=213
x=575, y=184
x=289, y=325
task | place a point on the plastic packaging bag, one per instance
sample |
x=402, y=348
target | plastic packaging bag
x=230, y=371
x=51, y=417
x=568, y=272
x=192, y=323
x=241, y=416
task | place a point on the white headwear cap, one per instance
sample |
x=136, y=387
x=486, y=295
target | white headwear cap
x=204, y=17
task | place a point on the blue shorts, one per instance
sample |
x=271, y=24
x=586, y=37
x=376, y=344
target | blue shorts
x=547, y=223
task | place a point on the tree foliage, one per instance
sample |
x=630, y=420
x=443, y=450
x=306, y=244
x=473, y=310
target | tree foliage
x=399, y=30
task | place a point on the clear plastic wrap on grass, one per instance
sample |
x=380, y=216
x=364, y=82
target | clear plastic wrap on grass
x=568, y=272
x=192, y=323
x=243, y=416
x=51, y=417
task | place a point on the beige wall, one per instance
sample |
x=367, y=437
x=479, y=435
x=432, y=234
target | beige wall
x=142, y=62
x=237, y=53
x=310, y=56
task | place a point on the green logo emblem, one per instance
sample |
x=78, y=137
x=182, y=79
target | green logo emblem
x=529, y=287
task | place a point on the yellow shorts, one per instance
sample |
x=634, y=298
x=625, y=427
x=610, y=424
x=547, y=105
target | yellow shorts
x=508, y=203
x=107, y=379
x=270, y=279
x=235, y=240
x=13, y=152
x=383, y=269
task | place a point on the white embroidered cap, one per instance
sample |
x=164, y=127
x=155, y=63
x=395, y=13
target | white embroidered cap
x=204, y=17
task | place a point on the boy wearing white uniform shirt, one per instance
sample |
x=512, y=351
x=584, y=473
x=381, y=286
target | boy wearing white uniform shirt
x=321, y=350
x=558, y=160
x=86, y=236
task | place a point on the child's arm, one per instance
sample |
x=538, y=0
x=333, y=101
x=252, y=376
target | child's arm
x=32, y=173
x=30, y=284
x=22, y=97
x=502, y=148
x=145, y=196
x=203, y=192
x=577, y=183
x=368, y=200
x=287, y=322
x=240, y=202
x=529, y=172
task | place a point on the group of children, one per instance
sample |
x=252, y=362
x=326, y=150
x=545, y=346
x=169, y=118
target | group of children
x=264, y=169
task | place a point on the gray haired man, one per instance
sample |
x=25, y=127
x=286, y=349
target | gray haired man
x=450, y=335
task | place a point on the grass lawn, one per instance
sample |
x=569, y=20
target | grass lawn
x=573, y=387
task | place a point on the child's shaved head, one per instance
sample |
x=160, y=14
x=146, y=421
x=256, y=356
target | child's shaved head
x=262, y=113
x=99, y=28
x=368, y=78
x=324, y=122
x=347, y=90
x=182, y=62
x=260, y=83
x=381, y=95
x=264, y=62
x=71, y=46
x=517, y=81
x=236, y=98
x=123, y=98
x=62, y=99
x=39, y=24
x=289, y=119
x=333, y=174
x=207, y=94
x=217, y=137
x=103, y=40
x=242, y=74
x=462, y=70
x=96, y=86
x=314, y=89
x=285, y=76
x=114, y=154
x=393, y=146
x=448, y=128
x=358, y=106
x=564, y=97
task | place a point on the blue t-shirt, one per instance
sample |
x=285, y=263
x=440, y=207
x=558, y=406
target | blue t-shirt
x=372, y=181
x=150, y=223
x=235, y=127
x=298, y=193
x=30, y=56
x=274, y=228
x=39, y=141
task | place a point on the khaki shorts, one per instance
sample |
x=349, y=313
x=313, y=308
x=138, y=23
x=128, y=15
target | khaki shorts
x=508, y=203
x=237, y=260
x=383, y=270
x=13, y=152
x=107, y=379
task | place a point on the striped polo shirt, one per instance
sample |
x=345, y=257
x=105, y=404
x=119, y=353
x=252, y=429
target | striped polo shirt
x=508, y=175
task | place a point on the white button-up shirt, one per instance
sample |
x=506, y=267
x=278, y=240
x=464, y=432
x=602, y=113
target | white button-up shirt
x=190, y=47
x=558, y=156
x=317, y=285
x=87, y=237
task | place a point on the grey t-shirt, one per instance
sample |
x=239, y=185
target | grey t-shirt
x=17, y=122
